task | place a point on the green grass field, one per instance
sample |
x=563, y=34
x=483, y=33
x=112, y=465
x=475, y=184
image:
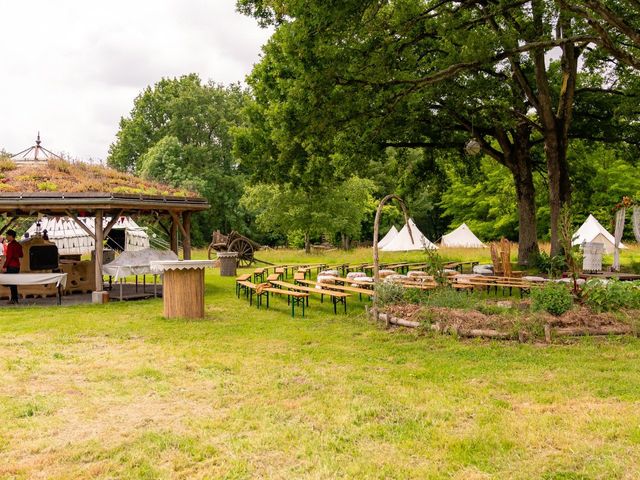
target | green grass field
x=116, y=391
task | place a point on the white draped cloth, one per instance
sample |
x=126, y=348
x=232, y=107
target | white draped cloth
x=636, y=222
x=620, y=214
x=60, y=279
x=136, y=262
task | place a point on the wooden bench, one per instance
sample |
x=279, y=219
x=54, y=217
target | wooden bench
x=342, y=288
x=240, y=286
x=496, y=282
x=258, y=274
x=293, y=298
x=336, y=297
x=273, y=277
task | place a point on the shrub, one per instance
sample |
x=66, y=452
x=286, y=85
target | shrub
x=612, y=295
x=554, y=298
x=552, y=266
x=7, y=164
x=450, y=298
x=389, y=293
x=59, y=165
x=47, y=186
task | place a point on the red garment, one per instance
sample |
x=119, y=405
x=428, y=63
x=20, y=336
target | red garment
x=14, y=254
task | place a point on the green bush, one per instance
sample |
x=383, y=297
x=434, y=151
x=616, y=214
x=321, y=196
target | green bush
x=389, y=293
x=450, y=298
x=554, y=298
x=613, y=295
x=552, y=266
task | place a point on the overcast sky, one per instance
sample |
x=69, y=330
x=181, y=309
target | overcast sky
x=71, y=68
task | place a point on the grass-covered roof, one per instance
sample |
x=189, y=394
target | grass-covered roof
x=57, y=175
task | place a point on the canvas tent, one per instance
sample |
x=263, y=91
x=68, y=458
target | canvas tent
x=402, y=241
x=592, y=231
x=461, y=237
x=391, y=234
x=72, y=239
x=136, y=262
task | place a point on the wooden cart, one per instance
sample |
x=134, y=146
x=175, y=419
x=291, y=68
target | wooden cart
x=234, y=242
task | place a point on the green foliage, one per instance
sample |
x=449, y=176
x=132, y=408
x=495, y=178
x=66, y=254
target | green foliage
x=6, y=163
x=612, y=295
x=47, y=186
x=436, y=266
x=179, y=132
x=451, y=298
x=288, y=210
x=390, y=293
x=553, y=298
x=552, y=266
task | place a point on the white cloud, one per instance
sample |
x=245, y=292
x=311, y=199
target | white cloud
x=72, y=68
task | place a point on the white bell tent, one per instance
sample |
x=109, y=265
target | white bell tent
x=461, y=237
x=391, y=234
x=402, y=241
x=592, y=231
x=71, y=239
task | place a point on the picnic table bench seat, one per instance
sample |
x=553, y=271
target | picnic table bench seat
x=336, y=297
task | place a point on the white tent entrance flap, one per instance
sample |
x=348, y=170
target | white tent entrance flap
x=592, y=231
x=402, y=241
x=391, y=234
x=461, y=237
x=71, y=239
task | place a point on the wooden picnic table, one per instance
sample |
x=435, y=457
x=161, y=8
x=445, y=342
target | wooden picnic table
x=336, y=297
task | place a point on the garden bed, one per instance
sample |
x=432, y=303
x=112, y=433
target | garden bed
x=508, y=321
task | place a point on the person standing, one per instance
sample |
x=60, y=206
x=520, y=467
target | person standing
x=12, y=262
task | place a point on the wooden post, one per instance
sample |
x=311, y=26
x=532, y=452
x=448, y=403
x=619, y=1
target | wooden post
x=186, y=241
x=173, y=236
x=98, y=295
x=376, y=228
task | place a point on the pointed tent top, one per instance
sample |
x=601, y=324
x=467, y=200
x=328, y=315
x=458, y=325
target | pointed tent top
x=461, y=237
x=391, y=234
x=35, y=153
x=593, y=231
x=402, y=241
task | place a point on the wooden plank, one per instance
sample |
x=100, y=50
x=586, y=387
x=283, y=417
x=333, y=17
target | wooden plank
x=98, y=251
x=112, y=222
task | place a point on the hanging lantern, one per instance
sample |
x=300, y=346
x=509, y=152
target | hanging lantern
x=472, y=147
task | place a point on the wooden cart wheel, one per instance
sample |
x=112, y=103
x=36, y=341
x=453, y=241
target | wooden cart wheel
x=211, y=252
x=244, y=249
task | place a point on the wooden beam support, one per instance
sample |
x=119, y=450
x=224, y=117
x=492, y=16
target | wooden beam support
x=176, y=219
x=82, y=225
x=186, y=241
x=112, y=222
x=98, y=251
x=7, y=225
x=173, y=236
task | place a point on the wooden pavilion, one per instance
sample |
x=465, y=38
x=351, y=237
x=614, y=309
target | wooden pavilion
x=51, y=186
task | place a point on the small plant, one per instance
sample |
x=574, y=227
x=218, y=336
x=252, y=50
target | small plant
x=436, y=266
x=47, y=186
x=611, y=296
x=60, y=165
x=450, y=298
x=7, y=164
x=554, y=298
x=389, y=293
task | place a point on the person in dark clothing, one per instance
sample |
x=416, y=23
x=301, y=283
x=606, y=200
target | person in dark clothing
x=12, y=262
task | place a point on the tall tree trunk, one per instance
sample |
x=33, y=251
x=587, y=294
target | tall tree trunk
x=516, y=157
x=526, y=198
x=559, y=184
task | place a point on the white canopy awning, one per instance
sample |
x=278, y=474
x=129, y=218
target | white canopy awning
x=71, y=239
x=136, y=262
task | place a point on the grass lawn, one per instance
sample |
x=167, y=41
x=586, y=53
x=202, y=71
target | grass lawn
x=116, y=391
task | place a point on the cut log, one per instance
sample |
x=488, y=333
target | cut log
x=604, y=330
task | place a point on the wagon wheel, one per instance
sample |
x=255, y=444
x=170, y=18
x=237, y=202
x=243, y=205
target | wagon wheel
x=244, y=249
x=211, y=251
